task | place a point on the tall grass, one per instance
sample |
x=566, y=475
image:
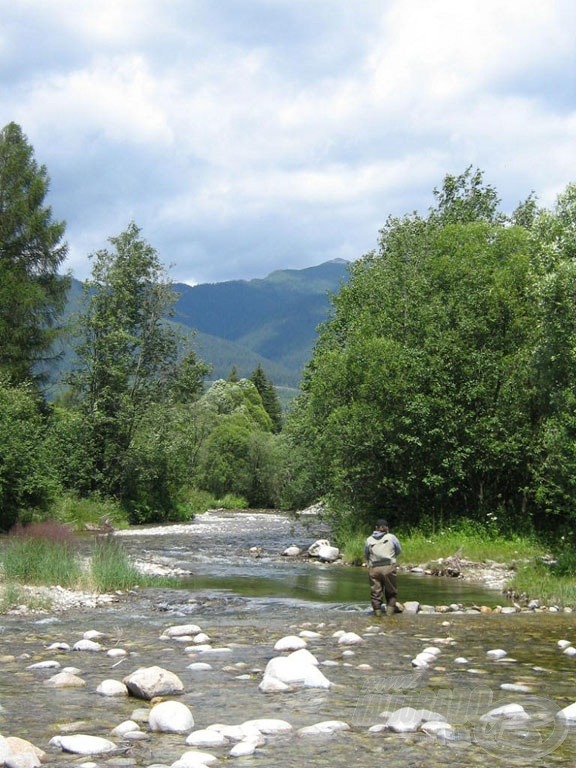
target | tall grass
x=111, y=567
x=41, y=554
x=472, y=542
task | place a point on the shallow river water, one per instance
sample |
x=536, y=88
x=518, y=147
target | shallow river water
x=245, y=604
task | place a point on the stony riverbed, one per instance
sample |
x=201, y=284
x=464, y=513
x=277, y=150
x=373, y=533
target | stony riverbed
x=219, y=644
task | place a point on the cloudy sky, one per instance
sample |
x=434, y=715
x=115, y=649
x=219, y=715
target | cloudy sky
x=245, y=136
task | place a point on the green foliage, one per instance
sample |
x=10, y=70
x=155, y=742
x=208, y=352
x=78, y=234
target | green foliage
x=270, y=400
x=27, y=481
x=32, y=294
x=41, y=553
x=443, y=383
x=79, y=513
x=110, y=566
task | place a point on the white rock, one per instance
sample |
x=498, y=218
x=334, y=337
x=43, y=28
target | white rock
x=569, y=651
x=292, y=551
x=58, y=647
x=82, y=744
x=308, y=633
x=507, y=711
x=350, y=638
x=304, y=656
x=112, y=688
x=438, y=728
x=496, y=653
x=244, y=748
x=432, y=649
x=93, y=634
x=231, y=732
x=267, y=726
x=116, y=653
x=201, y=637
x=194, y=759
x=199, y=666
x=563, y=644
x=290, y=643
x=125, y=727
x=461, y=660
x=568, y=713
x=294, y=672
x=326, y=726
x=206, y=738
x=409, y=719
x=516, y=687
x=180, y=630
x=411, y=606
x=87, y=645
x=273, y=685
x=170, y=717
x=45, y=665
x=65, y=680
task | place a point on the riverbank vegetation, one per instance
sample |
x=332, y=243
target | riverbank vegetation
x=440, y=392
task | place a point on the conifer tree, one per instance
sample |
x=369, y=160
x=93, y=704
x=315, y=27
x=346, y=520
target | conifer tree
x=32, y=294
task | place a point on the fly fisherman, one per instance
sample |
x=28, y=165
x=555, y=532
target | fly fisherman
x=381, y=550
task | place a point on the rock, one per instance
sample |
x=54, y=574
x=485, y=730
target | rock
x=516, y=687
x=127, y=726
x=411, y=606
x=83, y=744
x=350, y=638
x=170, y=717
x=290, y=643
x=65, y=680
x=324, y=551
x=116, y=653
x=17, y=747
x=200, y=666
x=326, y=726
x=206, y=738
x=267, y=726
x=292, y=551
x=290, y=671
x=87, y=645
x=568, y=713
x=244, y=748
x=438, y=728
x=181, y=630
x=563, y=644
x=45, y=665
x=408, y=719
x=569, y=651
x=112, y=688
x=496, y=653
x=507, y=711
x=194, y=759
x=148, y=682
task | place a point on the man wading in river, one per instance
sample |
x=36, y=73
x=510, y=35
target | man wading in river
x=381, y=550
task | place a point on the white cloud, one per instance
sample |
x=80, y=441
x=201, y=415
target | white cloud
x=275, y=133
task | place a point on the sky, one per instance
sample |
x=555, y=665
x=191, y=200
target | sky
x=246, y=136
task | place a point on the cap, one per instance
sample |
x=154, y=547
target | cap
x=381, y=523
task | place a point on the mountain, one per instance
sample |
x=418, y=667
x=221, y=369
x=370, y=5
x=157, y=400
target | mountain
x=272, y=321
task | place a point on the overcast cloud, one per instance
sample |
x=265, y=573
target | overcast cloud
x=245, y=136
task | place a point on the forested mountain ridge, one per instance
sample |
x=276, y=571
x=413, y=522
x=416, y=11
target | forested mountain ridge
x=270, y=321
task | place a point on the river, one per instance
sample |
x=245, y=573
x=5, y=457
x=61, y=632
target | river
x=245, y=604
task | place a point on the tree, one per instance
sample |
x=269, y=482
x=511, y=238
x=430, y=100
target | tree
x=128, y=352
x=269, y=396
x=419, y=400
x=32, y=294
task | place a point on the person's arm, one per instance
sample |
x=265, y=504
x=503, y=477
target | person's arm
x=397, y=546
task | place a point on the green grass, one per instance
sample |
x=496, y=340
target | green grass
x=80, y=513
x=111, y=568
x=41, y=554
x=472, y=542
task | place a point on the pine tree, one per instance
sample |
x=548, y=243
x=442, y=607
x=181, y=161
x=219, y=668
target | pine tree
x=32, y=294
x=270, y=400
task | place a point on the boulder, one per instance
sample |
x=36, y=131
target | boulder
x=148, y=682
x=170, y=717
x=324, y=551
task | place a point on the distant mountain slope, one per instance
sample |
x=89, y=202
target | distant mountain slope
x=275, y=318
x=272, y=321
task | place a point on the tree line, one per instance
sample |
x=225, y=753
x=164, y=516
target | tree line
x=441, y=387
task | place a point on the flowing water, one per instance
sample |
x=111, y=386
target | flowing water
x=245, y=603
